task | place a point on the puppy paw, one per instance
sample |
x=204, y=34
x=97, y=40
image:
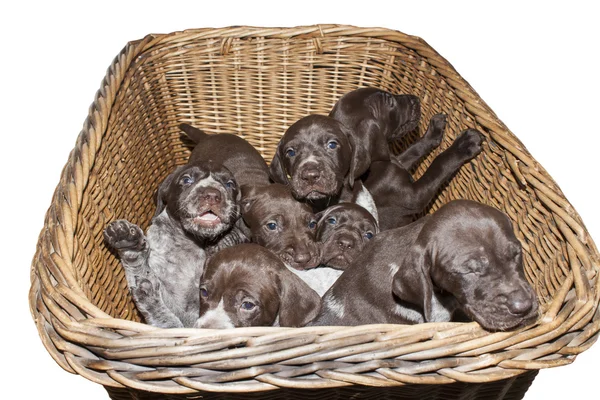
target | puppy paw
x=123, y=235
x=468, y=144
x=435, y=131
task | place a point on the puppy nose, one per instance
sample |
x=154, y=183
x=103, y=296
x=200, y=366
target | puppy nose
x=211, y=195
x=519, y=302
x=345, y=242
x=310, y=174
x=301, y=257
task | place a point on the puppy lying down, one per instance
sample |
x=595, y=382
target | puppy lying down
x=196, y=216
x=463, y=257
x=247, y=285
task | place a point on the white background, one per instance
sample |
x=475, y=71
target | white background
x=535, y=65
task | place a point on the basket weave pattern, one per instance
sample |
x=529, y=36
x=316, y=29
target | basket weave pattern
x=255, y=82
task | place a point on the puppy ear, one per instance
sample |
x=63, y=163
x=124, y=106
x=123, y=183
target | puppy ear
x=248, y=196
x=360, y=161
x=298, y=303
x=163, y=191
x=196, y=135
x=412, y=283
x=276, y=170
x=362, y=197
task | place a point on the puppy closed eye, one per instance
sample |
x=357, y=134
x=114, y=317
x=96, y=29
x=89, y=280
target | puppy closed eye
x=475, y=265
x=331, y=221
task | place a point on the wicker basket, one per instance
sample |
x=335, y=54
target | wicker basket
x=255, y=82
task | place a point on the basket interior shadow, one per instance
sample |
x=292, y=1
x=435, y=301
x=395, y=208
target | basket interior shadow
x=255, y=82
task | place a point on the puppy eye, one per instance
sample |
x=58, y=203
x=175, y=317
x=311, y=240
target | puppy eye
x=290, y=153
x=203, y=292
x=332, y=144
x=369, y=235
x=187, y=180
x=331, y=220
x=271, y=226
x=230, y=184
x=312, y=224
x=248, y=305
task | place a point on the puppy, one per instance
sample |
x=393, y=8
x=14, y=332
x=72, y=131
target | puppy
x=281, y=224
x=397, y=196
x=247, y=285
x=464, y=256
x=197, y=213
x=343, y=230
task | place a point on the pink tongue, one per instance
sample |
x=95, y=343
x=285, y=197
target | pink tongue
x=208, y=217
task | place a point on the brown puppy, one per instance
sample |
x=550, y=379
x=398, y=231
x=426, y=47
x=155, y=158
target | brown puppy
x=282, y=224
x=397, y=196
x=343, y=230
x=247, y=285
x=463, y=256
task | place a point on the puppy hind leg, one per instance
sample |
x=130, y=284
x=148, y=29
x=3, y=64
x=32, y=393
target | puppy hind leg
x=424, y=145
x=443, y=167
x=148, y=300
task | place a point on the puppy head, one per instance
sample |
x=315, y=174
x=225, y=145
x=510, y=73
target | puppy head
x=469, y=250
x=343, y=230
x=282, y=224
x=313, y=157
x=247, y=285
x=203, y=197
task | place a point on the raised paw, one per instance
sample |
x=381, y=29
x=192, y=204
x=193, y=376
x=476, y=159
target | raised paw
x=123, y=235
x=468, y=144
x=435, y=130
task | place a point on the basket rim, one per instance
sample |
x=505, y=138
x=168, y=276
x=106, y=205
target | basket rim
x=569, y=326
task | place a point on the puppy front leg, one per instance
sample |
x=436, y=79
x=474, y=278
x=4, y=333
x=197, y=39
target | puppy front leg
x=465, y=147
x=130, y=243
x=430, y=140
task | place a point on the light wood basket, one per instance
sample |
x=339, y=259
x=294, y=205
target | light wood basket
x=255, y=82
